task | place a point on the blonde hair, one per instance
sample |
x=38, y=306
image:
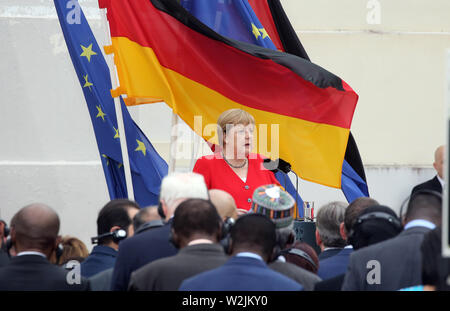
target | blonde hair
x=232, y=116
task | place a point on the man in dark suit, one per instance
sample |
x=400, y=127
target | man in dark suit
x=154, y=244
x=115, y=215
x=337, y=264
x=374, y=224
x=253, y=239
x=396, y=263
x=437, y=182
x=34, y=234
x=196, y=232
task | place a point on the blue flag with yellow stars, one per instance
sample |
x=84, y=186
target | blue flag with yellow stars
x=147, y=167
x=231, y=18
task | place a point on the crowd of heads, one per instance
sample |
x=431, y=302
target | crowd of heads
x=267, y=229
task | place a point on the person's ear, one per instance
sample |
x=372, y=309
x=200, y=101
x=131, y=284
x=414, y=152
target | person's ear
x=114, y=228
x=318, y=239
x=12, y=235
x=174, y=239
x=230, y=247
x=342, y=231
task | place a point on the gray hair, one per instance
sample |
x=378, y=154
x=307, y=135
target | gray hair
x=176, y=186
x=328, y=221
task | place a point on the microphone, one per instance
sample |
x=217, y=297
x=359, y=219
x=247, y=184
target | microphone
x=278, y=164
x=284, y=166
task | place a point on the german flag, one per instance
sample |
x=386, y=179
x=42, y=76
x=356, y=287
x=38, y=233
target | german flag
x=163, y=52
x=284, y=37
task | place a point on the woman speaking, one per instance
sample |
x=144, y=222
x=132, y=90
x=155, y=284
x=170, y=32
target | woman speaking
x=234, y=169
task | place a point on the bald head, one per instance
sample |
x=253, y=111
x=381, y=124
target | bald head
x=439, y=161
x=224, y=203
x=35, y=227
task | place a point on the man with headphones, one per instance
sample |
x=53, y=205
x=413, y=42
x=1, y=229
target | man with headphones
x=396, y=263
x=34, y=236
x=154, y=244
x=196, y=232
x=114, y=223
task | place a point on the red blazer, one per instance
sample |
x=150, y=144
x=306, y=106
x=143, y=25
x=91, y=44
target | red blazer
x=219, y=175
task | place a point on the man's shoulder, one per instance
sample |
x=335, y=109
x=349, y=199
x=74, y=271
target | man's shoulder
x=140, y=240
x=431, y=184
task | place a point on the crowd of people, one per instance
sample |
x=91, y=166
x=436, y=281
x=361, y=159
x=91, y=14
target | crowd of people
x=195, y=241
x=228, y=226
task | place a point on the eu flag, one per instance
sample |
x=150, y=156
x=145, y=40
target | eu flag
x=147, y=167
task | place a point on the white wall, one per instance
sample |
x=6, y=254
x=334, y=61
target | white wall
x=48, y=152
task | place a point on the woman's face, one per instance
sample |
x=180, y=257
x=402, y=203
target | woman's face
x=239, y=140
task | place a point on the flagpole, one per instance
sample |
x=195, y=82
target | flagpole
x=122, y=136
x=173, y=141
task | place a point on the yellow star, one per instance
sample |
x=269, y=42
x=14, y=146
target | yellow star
x=87, y=52
x=255, y=31
x=101, y=114
x=107, y=159
x=117, y=133
x=87, y=84
x=141, y=147
x=264, y=33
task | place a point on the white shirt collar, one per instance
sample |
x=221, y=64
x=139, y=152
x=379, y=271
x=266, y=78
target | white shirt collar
x=31, y=253
x=200, y=241
x=327, y=248
x=441, y=181
x=248, y=254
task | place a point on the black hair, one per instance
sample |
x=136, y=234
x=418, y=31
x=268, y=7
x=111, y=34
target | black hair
x=354, y=209
x=254, y=231
x=425, y=204
x=376, y=229
x=141, y=217
x=196, y=216
x=114, y=213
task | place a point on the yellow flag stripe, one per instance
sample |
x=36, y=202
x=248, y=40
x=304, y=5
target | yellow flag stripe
x=315, y=151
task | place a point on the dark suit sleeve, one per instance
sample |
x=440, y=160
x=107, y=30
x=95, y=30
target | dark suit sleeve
x=122, y=269
x=352, y=277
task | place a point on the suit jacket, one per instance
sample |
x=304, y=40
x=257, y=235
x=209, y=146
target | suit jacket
x=329, y=253
x=101, y=281
x=399, y=262
x=333, y=266
x=432, y=184
x=166, y=274
x=138, y=251
x=36, y=273
x=101, y=258
x=333, y=284
x=4, y=258
x=302, y=276
x=240, y=274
